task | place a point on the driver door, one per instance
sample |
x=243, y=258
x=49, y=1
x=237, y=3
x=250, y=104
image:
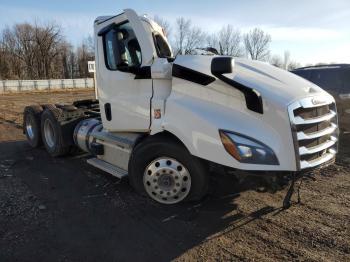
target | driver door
x=123, y=80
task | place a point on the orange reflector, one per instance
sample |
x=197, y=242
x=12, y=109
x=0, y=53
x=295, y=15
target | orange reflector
x=229, y=146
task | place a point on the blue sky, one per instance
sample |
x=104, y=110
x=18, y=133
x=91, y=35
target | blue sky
x=313, y=31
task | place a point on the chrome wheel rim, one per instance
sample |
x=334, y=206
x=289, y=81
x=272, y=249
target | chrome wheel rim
x=29, y=127
x=166, y=180
x=49, y=133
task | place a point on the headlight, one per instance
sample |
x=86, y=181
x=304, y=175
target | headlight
x=247, y=150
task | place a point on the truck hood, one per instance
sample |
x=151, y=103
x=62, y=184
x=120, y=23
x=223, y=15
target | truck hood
x=272, y=83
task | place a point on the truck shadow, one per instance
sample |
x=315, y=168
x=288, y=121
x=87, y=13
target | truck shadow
x=92, y=216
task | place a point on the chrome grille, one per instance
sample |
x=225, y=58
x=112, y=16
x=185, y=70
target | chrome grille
x=315, y=131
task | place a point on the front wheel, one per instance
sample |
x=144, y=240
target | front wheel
x=167, y=172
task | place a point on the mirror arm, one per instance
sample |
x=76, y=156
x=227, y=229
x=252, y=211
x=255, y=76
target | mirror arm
x=143, y=72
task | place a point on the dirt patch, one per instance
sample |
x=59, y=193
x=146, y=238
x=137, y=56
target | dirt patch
x=12, y=104
x=61, y=209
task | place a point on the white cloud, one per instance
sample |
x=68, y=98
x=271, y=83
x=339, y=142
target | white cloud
x=309, y=38
x=75, y=25
x=337, y=54
x=311, y=45
x=298, y=34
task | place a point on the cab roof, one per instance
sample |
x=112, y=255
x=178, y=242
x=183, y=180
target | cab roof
x=102, y=19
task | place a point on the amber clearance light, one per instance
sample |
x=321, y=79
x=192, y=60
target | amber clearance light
x=229, y=146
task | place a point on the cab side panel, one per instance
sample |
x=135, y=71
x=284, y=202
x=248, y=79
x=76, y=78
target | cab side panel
x=196, y=122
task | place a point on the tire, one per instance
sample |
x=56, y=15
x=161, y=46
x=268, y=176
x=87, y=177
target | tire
x=149, y=180
x=31, y=125
x=52, y=133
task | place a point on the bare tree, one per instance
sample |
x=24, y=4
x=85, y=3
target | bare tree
x=18, y=43
x=13, y=52
x=66, y=65
x=164, y=24
x=85, y=53
x=4, y=62
x=195, y=39
x=229, y=41
x=182, y=30
x=36, y=51
x=89, y=41
x=188, y=37
x=277, y=61
x=212, y=41
x=286, y=59
x=256, y=44
x=286, y=63
x=47, y=41
x=31, y=49
x=293, y=65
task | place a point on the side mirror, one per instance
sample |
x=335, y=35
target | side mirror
x=161, y=69
x=221, y=65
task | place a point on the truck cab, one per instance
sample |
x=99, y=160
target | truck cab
x=165, y=121
x=127, y=49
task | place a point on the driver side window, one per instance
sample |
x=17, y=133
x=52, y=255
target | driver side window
x=121, y=48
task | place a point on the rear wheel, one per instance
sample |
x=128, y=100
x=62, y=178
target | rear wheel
x=31, y=125
x=51, y=131
x=165, y=171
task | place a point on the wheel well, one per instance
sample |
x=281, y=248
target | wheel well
x=165, y=136
x=166, y=145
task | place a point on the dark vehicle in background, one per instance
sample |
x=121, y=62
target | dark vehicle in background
x=335, y=79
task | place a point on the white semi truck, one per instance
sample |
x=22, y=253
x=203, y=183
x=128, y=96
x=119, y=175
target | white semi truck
x=165, y=121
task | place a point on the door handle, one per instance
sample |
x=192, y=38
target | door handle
x=108, y=112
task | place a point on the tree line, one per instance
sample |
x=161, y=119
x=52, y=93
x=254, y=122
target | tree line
x=40, y=51
x=33, y=51
x=255, y=44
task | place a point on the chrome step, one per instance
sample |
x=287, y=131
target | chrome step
x=107, y=167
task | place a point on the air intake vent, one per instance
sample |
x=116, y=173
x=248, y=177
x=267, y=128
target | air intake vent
x=315, y=131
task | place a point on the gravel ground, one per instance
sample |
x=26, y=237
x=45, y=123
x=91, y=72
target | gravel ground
x=61, y=209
